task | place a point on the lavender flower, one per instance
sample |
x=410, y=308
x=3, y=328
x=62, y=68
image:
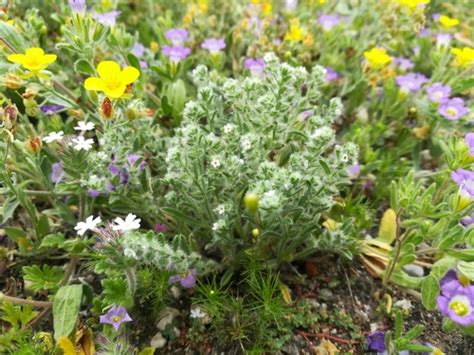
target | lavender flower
x=327, y=22
x=468, y=220
x=177, y=36
x=108, y=18
x=160, y=228
x=187, y=280
x=453, y=109
x=115, y=317
x=465, y=180
x=438, y=92
x=403, y=63
x=78, y=6
x=425, y=32
x=133, y=158
x=411, y=82
x=290, y=5
x=93, y=193
x=256, y=66
x=213, y=45
x=469, y=140
x=51, y=109
x=176, y=53
x=138, y=50
x=376, y=341
x=354, y=171
x=457, y=302
x=331, y=75
x=443, y=39
x=57, y=172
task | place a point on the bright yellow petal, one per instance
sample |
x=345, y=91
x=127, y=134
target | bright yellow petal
x=94, y=84
x=108, y=70
x=34, y=52
x=16, y=58
x=115, y=93
x=49, y=58
x=66, y=346
x=129, y=75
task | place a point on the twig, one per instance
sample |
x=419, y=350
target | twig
x=324, y=335
x=17, y=300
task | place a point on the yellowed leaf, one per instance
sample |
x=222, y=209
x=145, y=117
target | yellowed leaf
x=285, y=292
x=66, y=346
x=326, y=347
x=388, y=227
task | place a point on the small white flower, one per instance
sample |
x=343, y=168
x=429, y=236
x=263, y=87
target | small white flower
x=89, y=224
x=197, y=313
x=53, y=137
x=80, y=143
x=84, y=126
x=215, y=163
x=215, y=227
x=229, y=127
x=345, y=158
x=404, y=304
x=245, y=144
x=130, y=223
x=220, y=210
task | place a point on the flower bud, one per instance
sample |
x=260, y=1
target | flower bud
x=31, y=107
x=106, y=109
x=12, y=81
x=256, y=233
x=155, y=47
x=9, y=116
x=131, y=113
x=33, y=145
x=251, y=202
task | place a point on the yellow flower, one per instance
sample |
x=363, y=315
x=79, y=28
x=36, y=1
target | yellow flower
x=34, y=59
x=448, y=22
x=377, y=58
x=412, y=3
x=112, y=80
x=464, y=57
x=295, y=33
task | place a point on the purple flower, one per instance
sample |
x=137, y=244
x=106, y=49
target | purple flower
x=425, y=32
x=160, y=228
x=177, y=36
x=453, y=109
x=403, y=63
x=78, y=6
x=115, y=317
x=438, y=92
x=93, y=193
x=331, y=75
x=327, y=22
x=469, y=140
x=376, y=341
x=256, y=66
x=138, y=50
x=457, y=302
x=411, y=82
x=468, y=220
x=213, y=45
x=354, y=171
x=133, y=158
x=108, y=18
x=465, y=180
x=57, y=172
x=176, y=53
x=114, y=169
x=143, y=64
x=290, y=5
x=51, y=109
x=436, y=16
x=443, y=39
x=187, y=280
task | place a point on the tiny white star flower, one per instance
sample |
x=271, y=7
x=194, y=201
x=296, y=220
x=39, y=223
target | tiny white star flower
x=229, y=127
x=215, y=163
x=197, y=313
x=80, y=143
x=89, y=224
x=220, y=210
x=130, y=223
x=245, y=144
x=84, y=126
x=53, y=137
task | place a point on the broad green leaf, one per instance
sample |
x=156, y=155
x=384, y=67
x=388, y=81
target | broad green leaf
x=66, y=305
x=42, y=227
x=388, y=227
x=117, y=292
x=467, y=269
x=429, y=291
x=15, y=233
x=46, y=279
x=18, y=316
x=11, y=35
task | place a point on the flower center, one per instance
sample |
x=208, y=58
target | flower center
x=459, y=307
x=451, y=111
x=116, y=319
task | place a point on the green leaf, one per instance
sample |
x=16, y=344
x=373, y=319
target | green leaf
x=440, y=267
x=117, y=292
x=134, y=62
x=52, y=241
x=84, y=67
x=429, y=291
x=42, y=227
x=11, y=35
x=15, y=233
x=46, y=279
x=465, y=255
x=401, y=278
x=17, y=316
x=8, y=209
x=467, y=269
x=66, y=305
